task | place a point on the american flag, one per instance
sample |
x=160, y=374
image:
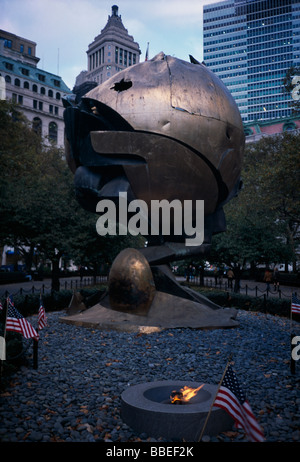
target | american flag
x=295, y=304
x=42, y=320
x=232, y=399
x=17, y=323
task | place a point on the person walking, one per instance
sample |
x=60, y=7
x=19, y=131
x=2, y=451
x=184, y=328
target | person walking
x=268, y=278
x=230, y=277
x=276, y=279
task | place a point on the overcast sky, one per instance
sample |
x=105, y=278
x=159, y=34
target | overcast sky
x=63, y=29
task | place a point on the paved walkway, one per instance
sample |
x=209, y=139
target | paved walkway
x=252, y=288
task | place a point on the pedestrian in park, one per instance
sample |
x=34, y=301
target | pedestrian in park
x=268, y=278
x=237, y=277
x=230, y=277
x=216, y=274
x=276, y=279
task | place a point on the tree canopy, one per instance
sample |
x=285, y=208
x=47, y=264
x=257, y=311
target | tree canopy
x=38, y=209
x=263, y=221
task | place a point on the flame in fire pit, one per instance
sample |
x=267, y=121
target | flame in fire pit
x=184, y=394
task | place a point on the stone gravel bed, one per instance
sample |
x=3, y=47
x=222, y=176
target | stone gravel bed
x=74, y=394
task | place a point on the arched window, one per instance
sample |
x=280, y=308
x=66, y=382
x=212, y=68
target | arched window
x=43, y=91
x=57, y=95
x=50, y=94
x=289, y=126
x=26, y=84
x=37, y=125
x=17, y=82
x=7, y=79
x=248, y=132
x=34, y=88
x=53, y=132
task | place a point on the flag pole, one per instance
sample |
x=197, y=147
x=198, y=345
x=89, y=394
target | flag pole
x=4, y=335
x=292, y=361
x=212, y=404
x=36, y=341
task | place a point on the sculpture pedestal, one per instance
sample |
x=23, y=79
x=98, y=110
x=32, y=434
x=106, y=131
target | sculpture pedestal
x=141, y=300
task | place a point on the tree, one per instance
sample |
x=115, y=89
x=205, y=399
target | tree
x=263, y=221
x=291, y=85
x=36, y=193
x=38, y=209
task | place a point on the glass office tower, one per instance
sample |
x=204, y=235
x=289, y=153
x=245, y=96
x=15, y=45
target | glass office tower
x=250, y=45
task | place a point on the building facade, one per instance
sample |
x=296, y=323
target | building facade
x=39, y=93
x=111, y=51
x=250, y=45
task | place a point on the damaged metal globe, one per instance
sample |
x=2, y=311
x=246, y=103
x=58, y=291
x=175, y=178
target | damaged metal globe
x=163, y=129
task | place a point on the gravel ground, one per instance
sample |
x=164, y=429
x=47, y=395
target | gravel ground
x=74, y=395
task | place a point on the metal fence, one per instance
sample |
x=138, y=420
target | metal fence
x=68, y=284
x=242, y=288
x=209, y=282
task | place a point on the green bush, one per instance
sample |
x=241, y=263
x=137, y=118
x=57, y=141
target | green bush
x=52, y=301
x=274, y=306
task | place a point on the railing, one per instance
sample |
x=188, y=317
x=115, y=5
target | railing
x=221, y=284
x=68, y=284
x=238, y=288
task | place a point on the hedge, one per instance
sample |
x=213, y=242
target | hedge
x=274, y=306
x=52, y=301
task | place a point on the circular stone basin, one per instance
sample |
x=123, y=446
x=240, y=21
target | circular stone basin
x=147, y=408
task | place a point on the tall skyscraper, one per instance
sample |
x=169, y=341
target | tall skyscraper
x=250, y=45
x=111, y=51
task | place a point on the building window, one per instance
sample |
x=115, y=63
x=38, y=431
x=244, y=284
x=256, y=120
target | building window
x=17, y=83
x=53, y=132
x=50, y=94
x=41, y=77
x=43, y=91
x=7, y=43
x=26, y=85
x=56, y=83
x=40, y=105
x=37, y=125
x=20, y=99
x=56, y=110
x=14, y=97
x=57, y=95
x=29, y=50
x=51, y=108
x=7, y=79
x=22, y=48
x=34, y=88
x=9, y=66
x=289, y=126
x=34, y=104
x=24, y=71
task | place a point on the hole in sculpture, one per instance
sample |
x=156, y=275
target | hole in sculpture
x=122, y=85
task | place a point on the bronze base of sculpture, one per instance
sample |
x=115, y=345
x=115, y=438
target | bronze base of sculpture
x=144, y=299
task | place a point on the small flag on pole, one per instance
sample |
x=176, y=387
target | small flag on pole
x=232, y=399
x=295, y=304
x=147, y=52
x=17, y=323
x=42, y=320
